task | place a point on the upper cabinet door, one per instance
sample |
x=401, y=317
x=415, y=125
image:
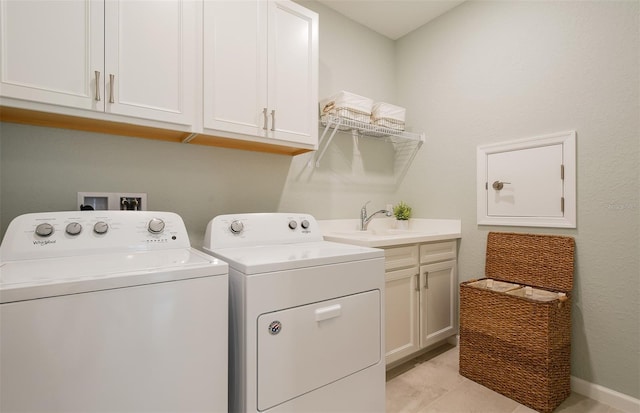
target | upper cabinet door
x=150, y=59
x=51, y=50
x=235, y=66
x=293, y=72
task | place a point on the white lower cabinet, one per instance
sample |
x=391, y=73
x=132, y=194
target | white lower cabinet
x=437, y=302
x=401, y=313
x=420, y=297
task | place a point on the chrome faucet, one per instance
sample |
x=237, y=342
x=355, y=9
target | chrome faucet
x=364, y=219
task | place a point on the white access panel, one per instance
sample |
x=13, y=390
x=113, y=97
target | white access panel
x=304, y=348
x=530, y=182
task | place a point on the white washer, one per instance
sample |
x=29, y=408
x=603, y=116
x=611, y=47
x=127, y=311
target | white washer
x=110, y=311
x=306, y=316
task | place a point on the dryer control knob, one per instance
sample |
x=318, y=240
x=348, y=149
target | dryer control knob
x=236, y=227
x=74, y=228
x=101, y=227
x=304, y=224
x=156, y=226
x=44, y=229
x=293, y=224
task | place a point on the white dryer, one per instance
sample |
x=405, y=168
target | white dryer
x=110, y=311
x=306, y=316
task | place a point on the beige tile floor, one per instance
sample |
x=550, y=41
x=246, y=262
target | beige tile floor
x=431, y=384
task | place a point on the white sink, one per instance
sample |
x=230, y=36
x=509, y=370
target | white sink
x=382, y=232
x=376, y=231
x=382, y=236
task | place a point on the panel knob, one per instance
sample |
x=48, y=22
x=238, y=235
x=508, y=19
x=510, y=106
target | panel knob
x=497, y=185
x=44, y=230
x=156, y=226
x=73, y=228
x=304, y=224
x=293, y=224
x=236, y=227
x=101, y=227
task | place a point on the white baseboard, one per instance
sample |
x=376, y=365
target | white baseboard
x=605, y=395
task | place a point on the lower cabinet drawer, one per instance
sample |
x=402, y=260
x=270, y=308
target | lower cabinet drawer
x=400, y=257
x=437, y=251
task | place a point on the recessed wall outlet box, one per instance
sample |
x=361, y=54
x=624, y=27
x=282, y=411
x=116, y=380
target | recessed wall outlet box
x=124, y=201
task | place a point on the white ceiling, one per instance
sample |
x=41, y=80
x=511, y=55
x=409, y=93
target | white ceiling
x=392, y=18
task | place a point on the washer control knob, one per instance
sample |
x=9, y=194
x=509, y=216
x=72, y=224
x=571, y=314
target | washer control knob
x=73, y=228
x=236, y=227
x=304, y=224
x=44, y=230
x=293, y=224
x=156, y=226
x=101, y=227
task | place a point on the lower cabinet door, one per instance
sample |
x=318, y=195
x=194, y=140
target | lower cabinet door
x=438, y=286
x=401, y=313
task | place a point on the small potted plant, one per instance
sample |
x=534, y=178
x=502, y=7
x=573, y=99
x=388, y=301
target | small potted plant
x=402, y=212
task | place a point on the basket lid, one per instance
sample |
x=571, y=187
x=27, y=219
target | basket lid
x=538, y=260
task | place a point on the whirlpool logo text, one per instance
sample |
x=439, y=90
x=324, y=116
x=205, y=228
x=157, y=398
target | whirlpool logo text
x=42, y=243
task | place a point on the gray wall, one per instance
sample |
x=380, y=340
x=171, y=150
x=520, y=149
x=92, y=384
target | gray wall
x=484, y=72
x=496, y=71
x=43, y=169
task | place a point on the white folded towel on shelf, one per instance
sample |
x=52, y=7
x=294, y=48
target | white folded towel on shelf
x=388, y=116
x=347, y=105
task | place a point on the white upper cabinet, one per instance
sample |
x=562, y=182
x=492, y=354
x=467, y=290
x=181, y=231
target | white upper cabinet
x=261, y=70
x=129, y=58
x=49, y=51
x=150, y=59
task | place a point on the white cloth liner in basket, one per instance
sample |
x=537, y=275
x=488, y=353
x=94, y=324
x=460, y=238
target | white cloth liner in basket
x=535, y=294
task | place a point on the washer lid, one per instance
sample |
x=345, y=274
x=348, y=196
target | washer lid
x=30, y=279
x=268, y=258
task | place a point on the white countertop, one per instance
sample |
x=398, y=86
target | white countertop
x=382, y=232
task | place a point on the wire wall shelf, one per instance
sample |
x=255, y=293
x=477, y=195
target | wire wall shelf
x=405, y=144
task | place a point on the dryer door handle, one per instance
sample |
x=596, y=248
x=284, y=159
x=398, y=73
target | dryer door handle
x=326, y=313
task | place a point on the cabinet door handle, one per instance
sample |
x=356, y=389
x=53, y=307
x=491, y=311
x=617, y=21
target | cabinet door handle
x=418, y=282
x=273, y=120
x=111, y=81
x=426, y=280
x=264, y=115
x=97, y=72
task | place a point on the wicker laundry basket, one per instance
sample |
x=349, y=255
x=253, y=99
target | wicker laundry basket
x=514, y=344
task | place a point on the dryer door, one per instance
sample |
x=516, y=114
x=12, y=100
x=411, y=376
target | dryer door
x=303, y=348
